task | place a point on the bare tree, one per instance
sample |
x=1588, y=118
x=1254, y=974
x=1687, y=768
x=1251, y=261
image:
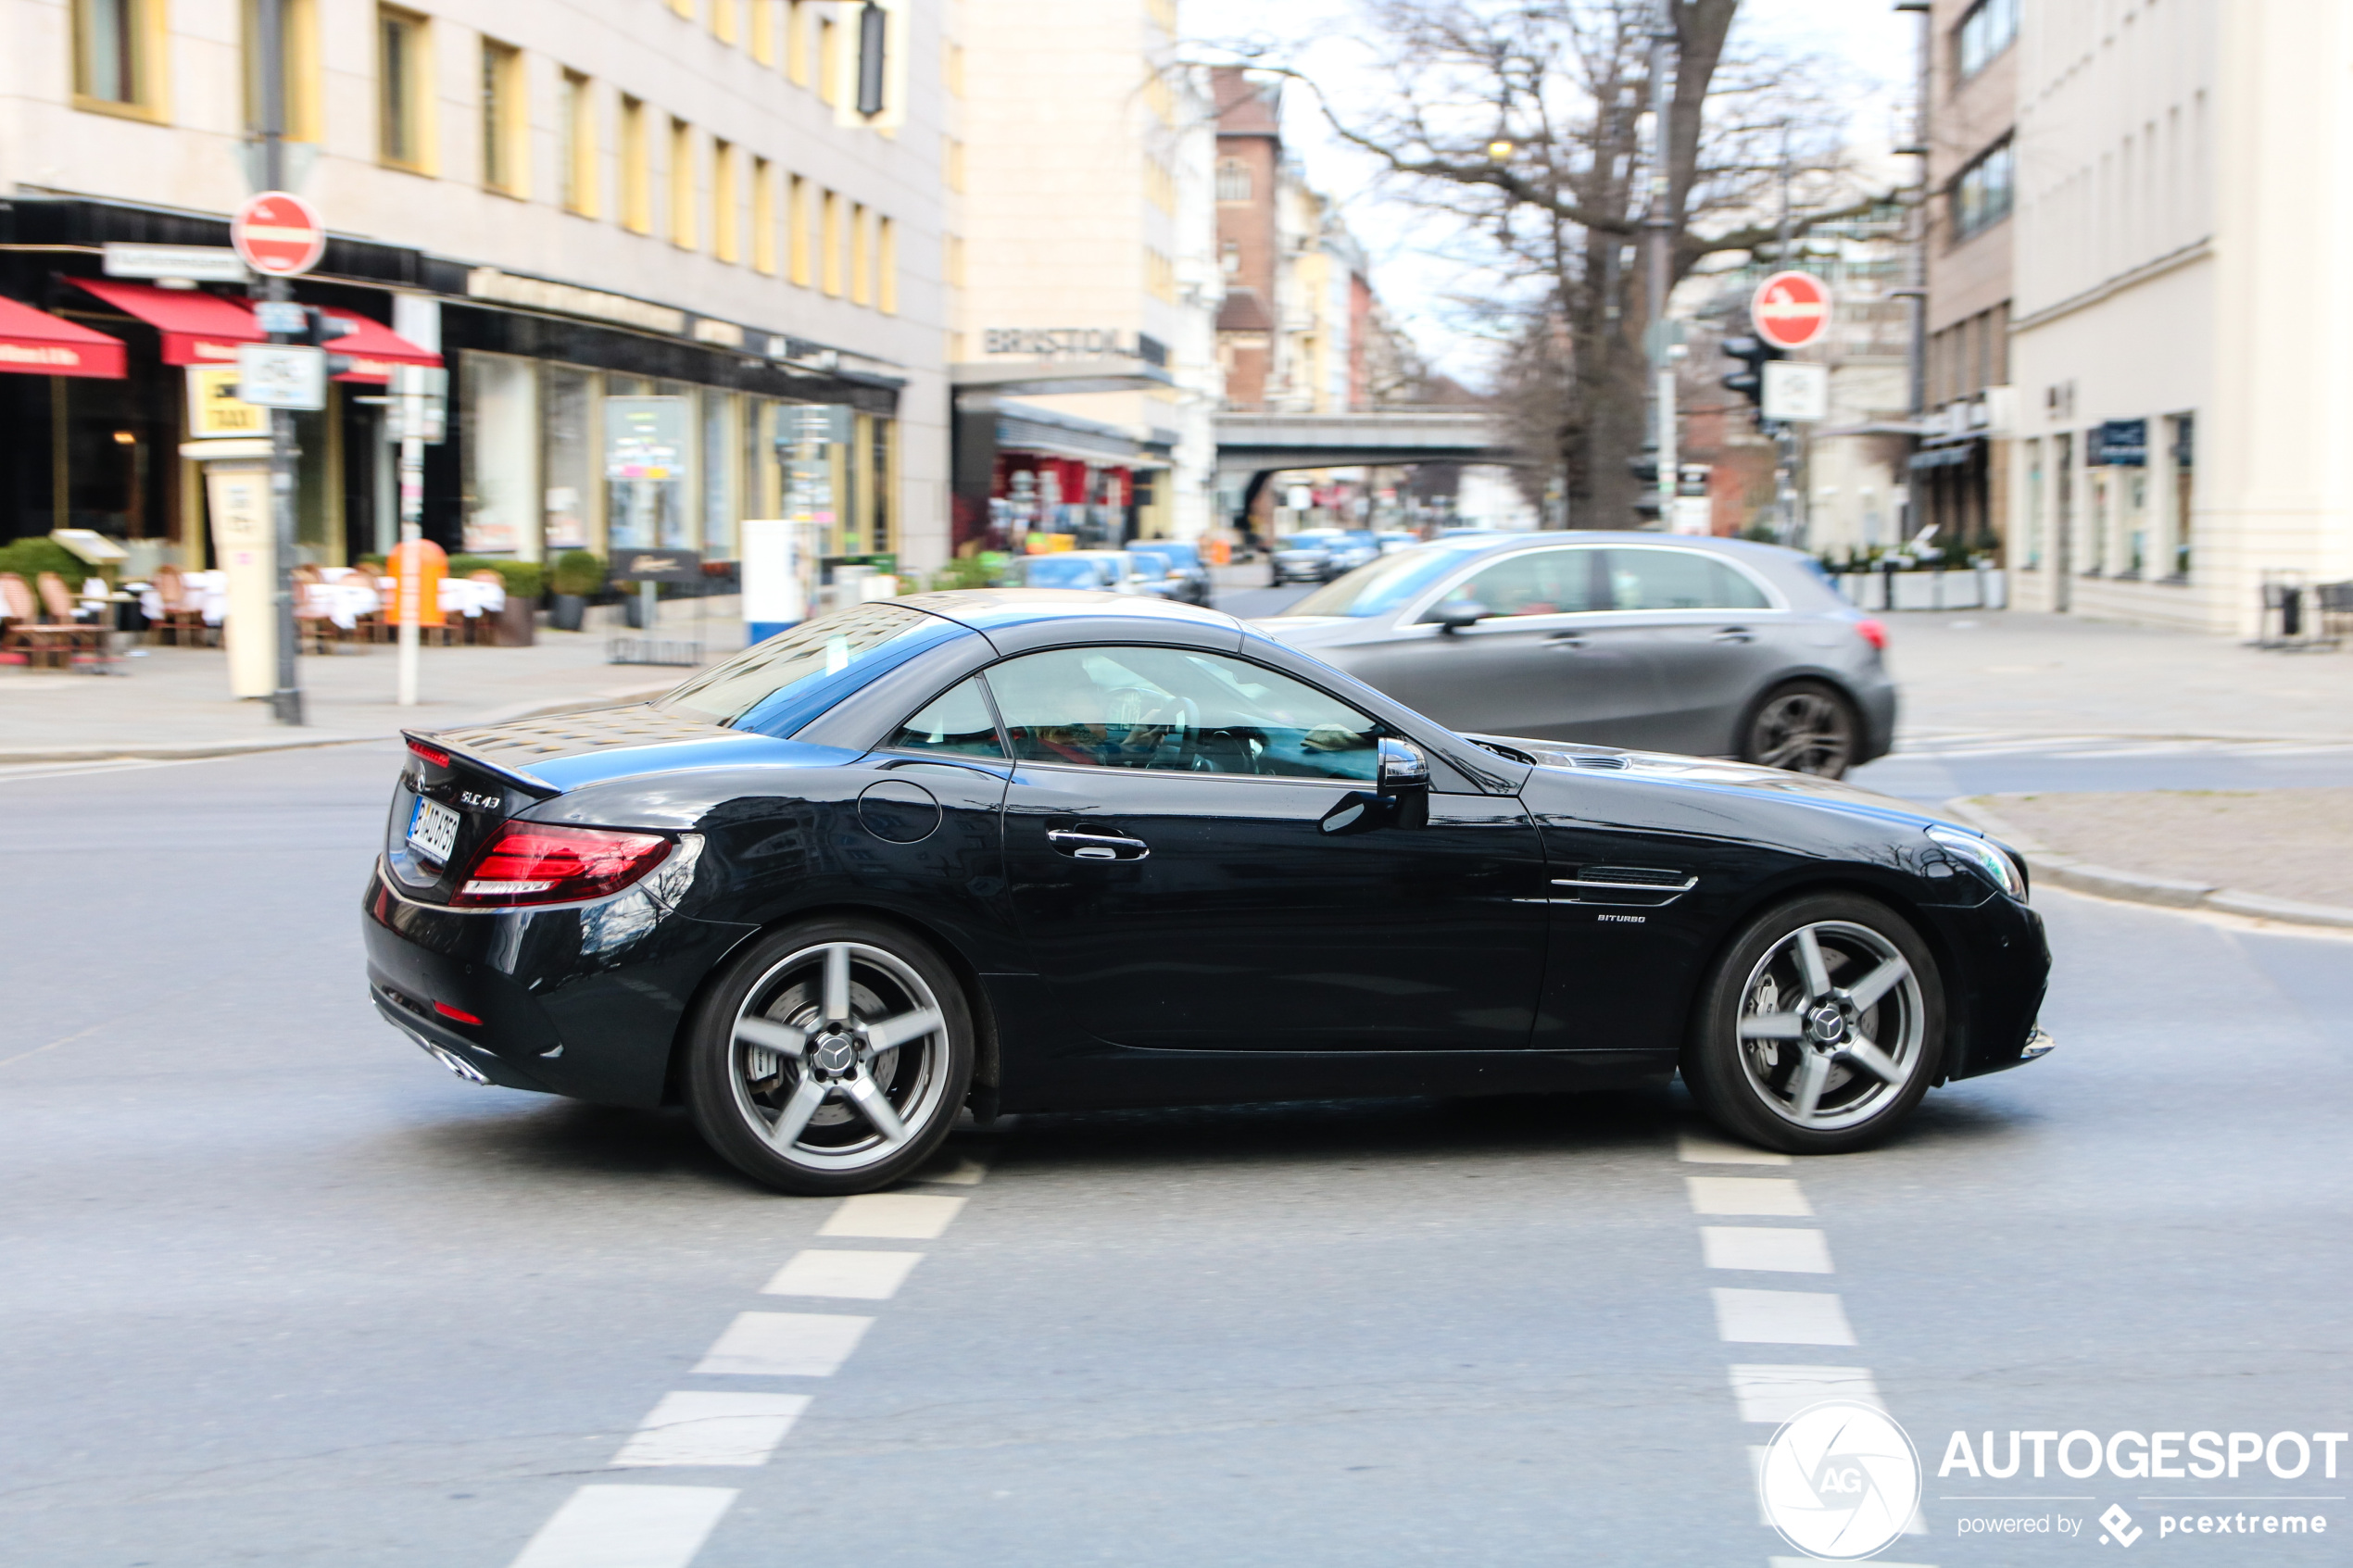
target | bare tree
x=1522, y=121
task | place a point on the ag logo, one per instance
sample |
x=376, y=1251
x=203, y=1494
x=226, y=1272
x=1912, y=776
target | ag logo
x=1840, y=1480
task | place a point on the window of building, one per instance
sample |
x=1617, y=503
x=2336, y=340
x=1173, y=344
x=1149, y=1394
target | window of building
x=1229, y=256
x=797, y=41
x=298, y=73
x=724, y=21
x=764, y=31
x=576, y=128
x=683, y=7
x=118, y=55
x=1160, y=186
x=887, y=267
x=1989, y=28
x=1233, y=180
x=828, y=60
x=874, y=65
x=404, y=87
x=725, y=241
x=954, y=70
x=685, y=232
x=797, y=229
x=503, y=126
x=1981, y=197
x=831, y=239
x=862, y=257
x=636, y=170
x=763, y=216
x=951, y=160
x=1160, y=275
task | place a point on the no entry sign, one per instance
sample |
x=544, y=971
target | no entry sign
x=1791, y=309
x=278, y=234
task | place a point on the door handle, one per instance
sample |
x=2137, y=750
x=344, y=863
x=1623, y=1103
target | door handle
x=1735, y=634
x=1568, y=641
x=1096, y=845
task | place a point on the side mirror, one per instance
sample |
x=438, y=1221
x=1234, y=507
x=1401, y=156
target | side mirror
x=1452, y=616
x=1403, y=768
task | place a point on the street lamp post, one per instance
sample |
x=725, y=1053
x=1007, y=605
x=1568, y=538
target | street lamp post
x=286, y=702
x=1658, y=234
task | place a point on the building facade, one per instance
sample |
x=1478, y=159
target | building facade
x=1087, y=293
x=733, y=206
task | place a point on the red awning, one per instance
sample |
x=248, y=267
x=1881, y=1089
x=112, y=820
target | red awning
x=34, y=343
x=205, y=328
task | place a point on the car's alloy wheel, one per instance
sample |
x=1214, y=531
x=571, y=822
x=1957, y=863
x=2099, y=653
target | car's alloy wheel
x=832, y=1059
x=1804, y=727
x=1821, y=1028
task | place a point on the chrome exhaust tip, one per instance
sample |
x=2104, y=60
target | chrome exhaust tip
x=452, y=1061
x=2038, y=1045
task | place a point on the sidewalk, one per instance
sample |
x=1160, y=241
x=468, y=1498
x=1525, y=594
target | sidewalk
x=174, y=702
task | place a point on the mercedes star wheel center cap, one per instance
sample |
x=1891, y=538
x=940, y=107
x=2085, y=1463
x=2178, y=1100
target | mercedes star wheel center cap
x=1828, y=1026
x=835, y=1054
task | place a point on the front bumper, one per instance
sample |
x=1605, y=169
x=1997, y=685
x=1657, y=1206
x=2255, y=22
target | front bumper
x=578, y=1000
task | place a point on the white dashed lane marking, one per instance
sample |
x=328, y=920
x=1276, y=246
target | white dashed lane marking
x=1696, y=1150
x=628, y=1527
x=783, y=1344
x=1777, y=1393
x=850, y=1276
x=701, y=1428
x=1765, y=1251
x=905, y=1216
x=1775, y=1195
x=1781, y=1317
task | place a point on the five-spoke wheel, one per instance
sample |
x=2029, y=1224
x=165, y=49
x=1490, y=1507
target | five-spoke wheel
x=1820, y=1027
x=832, y=1059
x=1805, y=727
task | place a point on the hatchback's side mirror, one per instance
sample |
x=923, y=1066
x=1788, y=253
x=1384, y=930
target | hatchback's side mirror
x=1455, y=614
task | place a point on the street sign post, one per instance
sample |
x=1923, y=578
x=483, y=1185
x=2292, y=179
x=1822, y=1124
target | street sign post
x=1796, y=390
x=187, y=264
x=272, y=375
x=278, y=234
x=419, y=416
x=1791, y=309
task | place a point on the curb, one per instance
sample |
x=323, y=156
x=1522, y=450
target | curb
x=2133, y=887
x=197, y=751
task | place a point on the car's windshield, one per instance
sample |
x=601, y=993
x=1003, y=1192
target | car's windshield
x=1380, y=586
x=1186, y=556
x=777, y=685
x=1061, y=571
x=1148, y=563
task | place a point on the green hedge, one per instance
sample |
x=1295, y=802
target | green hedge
x=524, y=579
x=579, y=571
x=29, y=557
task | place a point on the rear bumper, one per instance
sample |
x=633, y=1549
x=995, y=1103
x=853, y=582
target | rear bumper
x=578, y=999
x=1877, y=703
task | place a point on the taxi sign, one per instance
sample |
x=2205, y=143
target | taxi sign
x=278, y=234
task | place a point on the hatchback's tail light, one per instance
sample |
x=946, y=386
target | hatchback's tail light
x=1874, y=632
x=536, y=863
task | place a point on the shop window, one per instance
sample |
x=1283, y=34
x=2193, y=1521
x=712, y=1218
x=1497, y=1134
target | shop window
x=576, y=134
x=503, y=126
x=1233, y=180
x=726, y=240
x=763, y=216
x=570, y=457
x=685, y=232
x=882, y=486
x=832, y=240
x=636, y=170
x=1990, y=27
x=498, y=454
x=720, y=473
x=298, y=69
x=887, y=267
x=2184, y=491
x=404, y=99
x=1981, y=197
x=118, y=55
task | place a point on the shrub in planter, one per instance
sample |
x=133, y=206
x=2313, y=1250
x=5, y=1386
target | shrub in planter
x=577, y=576
x=29, y=557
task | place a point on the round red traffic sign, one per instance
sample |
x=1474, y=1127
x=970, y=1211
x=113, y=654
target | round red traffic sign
x=1791, y=309
x=278, y=234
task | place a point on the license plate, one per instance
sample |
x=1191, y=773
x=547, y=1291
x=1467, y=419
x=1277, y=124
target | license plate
x=434, y=829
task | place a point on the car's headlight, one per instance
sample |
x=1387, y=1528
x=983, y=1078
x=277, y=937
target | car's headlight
x=1998, y=868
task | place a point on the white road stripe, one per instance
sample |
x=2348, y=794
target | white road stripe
x=1695, y=1149
x=1776, y=1393
x=783, y=1344
x=1764, y=1250
x=857, y=1276
x=906, y=1216
x=1781, y=1317
x=628, y=1527
x=698, y=1428
x=1746, y=1195
x=965, y=1173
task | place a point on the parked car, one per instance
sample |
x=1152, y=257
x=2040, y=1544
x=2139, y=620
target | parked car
x=1107, y=570
x=1154, y=573
x=1185, y=562
x=1304, y=556
x=1023, y=850
x=1352, y=549
x=1393, y=543
x=1716, y=647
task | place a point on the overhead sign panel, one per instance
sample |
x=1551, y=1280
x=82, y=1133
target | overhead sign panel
x=198, y=264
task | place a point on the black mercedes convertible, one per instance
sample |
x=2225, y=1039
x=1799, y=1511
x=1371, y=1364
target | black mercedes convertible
x=1033, y=850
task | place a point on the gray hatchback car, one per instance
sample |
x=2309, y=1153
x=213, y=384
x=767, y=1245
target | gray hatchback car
x=1714, y=647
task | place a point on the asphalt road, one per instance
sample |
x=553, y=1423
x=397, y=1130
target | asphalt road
x=278, y=1290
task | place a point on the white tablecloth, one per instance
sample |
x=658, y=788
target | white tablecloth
x=205, y=591
x=346, y=596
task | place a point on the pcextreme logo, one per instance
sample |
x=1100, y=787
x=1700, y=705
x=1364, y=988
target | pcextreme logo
x=1840, y=1480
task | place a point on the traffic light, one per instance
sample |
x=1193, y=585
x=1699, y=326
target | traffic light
x=1645, y=468
x=1752, y=354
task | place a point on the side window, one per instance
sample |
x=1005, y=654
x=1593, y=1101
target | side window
x=1173, y=710
x=1539, y=582
x=959, y=720
x=1679, y=580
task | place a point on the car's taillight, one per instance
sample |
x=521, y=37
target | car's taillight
x=1874, y=632
x=534, y=863
x=439, y=758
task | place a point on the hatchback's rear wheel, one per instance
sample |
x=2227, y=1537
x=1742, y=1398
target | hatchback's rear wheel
x=831, y=1058
x=1806, y=727
x=1821, y=1028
